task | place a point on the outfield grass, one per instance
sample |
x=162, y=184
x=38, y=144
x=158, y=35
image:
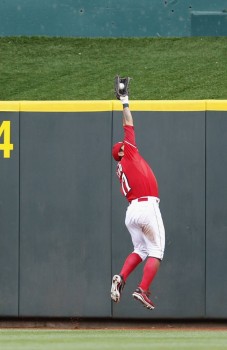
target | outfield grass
x=112, y=339
x=36, y=68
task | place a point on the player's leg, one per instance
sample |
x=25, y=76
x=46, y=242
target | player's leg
x=140, y=251
x=150, y=270
x=132, y=260
x=154, y=237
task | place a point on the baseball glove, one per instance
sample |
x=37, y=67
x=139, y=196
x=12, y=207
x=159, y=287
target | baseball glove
x=121, y=86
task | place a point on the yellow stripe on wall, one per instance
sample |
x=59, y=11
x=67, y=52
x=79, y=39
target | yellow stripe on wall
x=216, y=105
x=65, y=106
x=165, y=105
x=9, y=106
x=113, y=105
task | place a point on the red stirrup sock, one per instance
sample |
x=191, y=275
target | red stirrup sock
x=150, y=269
x=130, y=264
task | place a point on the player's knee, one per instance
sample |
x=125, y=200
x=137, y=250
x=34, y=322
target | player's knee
x=143, y=254
x=156, y=253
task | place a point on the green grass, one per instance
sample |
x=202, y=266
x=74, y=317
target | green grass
x=112, y=339
x=42, y=68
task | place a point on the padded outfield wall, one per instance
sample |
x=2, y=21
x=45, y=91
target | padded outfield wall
x=62, y=232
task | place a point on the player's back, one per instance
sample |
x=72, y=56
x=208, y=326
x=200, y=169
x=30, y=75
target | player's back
x=138, y=178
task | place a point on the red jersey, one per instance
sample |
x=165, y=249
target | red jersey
x=135, y=175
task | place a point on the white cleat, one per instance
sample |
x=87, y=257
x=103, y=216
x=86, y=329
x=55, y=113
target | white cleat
x=117, y=287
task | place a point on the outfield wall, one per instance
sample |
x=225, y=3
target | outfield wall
x=113, y=18
x=62, y=232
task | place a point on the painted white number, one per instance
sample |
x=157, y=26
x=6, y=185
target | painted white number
x=125, y=185
x=5, y=146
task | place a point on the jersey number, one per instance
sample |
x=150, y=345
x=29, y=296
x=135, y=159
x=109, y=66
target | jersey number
x=125, y=185
x=6, y=146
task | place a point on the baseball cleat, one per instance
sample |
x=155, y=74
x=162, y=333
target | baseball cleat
x=142, y=296
x=117, y=287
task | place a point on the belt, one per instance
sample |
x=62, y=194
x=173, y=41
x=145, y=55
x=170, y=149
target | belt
x=142, y=199
x=146, y=199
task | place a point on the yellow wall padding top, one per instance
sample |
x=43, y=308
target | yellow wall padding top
x=216, y=105
x=65, y=106
x=165, y=105
x=114, y=105
x=9, y=106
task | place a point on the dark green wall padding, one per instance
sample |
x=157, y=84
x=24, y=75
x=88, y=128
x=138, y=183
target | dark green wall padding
x=9, y=220
x=62, y=230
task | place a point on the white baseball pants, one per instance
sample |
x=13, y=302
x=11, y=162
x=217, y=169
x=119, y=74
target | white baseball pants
x=144, y=223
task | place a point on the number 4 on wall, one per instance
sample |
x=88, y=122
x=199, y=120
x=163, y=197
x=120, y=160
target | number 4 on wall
x=5, y=146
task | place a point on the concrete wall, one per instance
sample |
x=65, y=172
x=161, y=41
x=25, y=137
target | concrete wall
x=113, y=18
x=62, y=230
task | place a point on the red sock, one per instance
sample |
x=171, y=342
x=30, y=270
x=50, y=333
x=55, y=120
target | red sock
x=150, y=269
x=130, y=264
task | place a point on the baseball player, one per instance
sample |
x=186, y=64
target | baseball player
x=143, y=218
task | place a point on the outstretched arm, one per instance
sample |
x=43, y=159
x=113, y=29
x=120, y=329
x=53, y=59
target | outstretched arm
x=127, y=116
